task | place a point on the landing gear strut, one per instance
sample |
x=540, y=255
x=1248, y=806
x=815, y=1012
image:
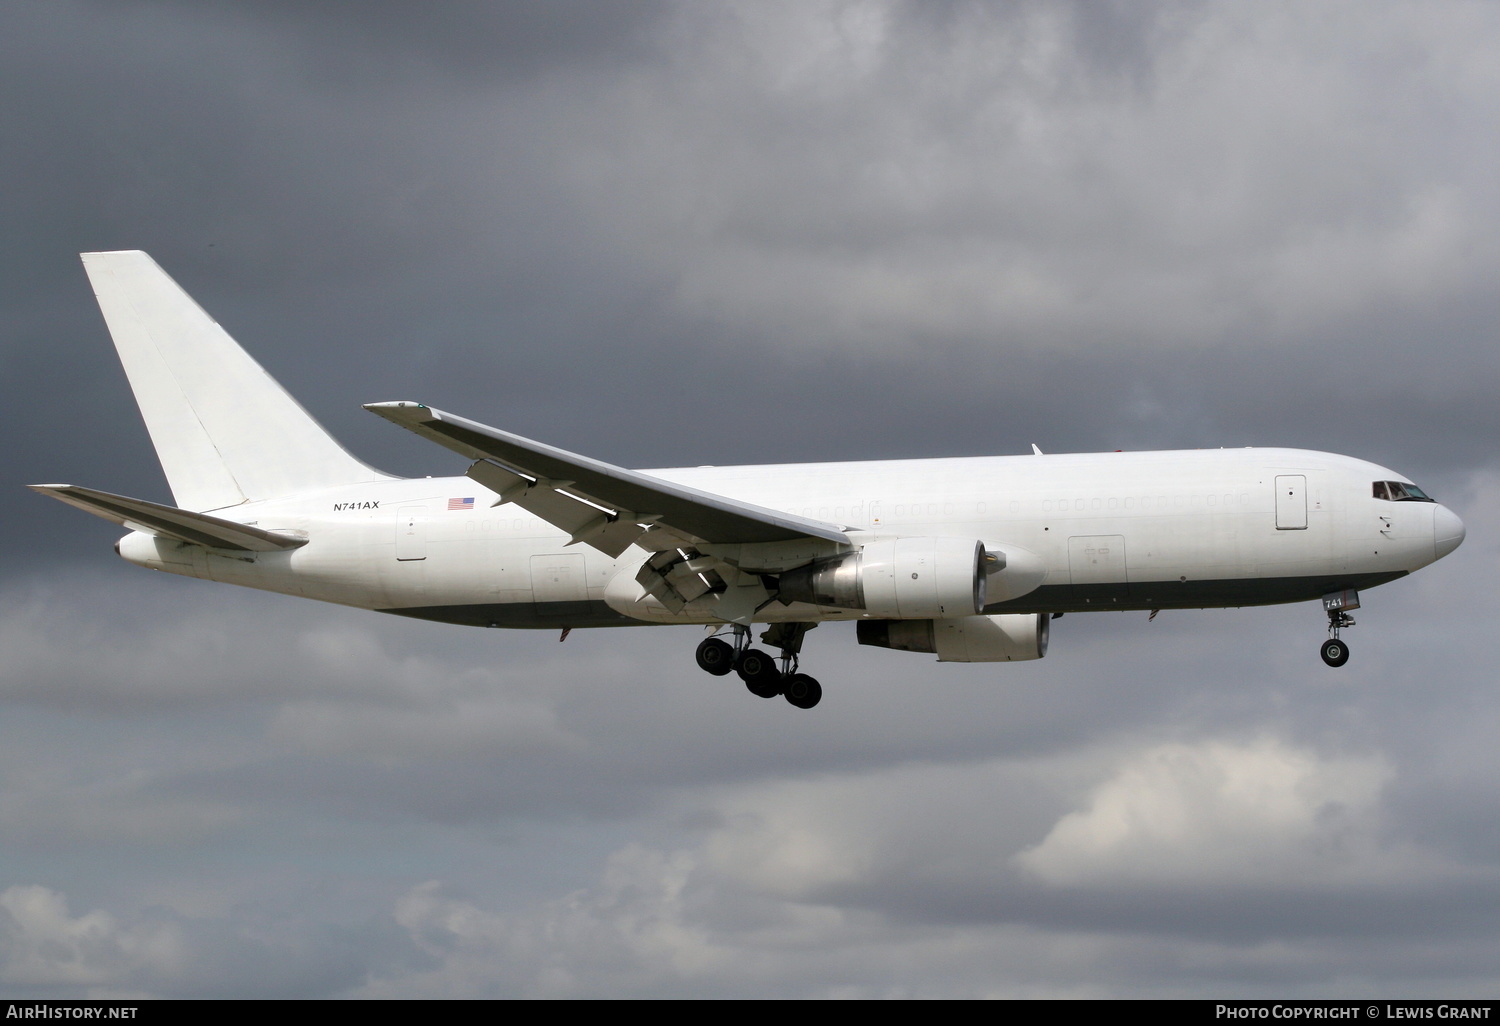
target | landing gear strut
x=1335, y=650
x=758, y=669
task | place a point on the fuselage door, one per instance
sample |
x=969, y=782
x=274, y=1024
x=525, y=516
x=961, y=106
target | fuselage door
x=411, y=533
x=559, y=578
x=1097, y=566
x=1291, y=502
x=1097, y=559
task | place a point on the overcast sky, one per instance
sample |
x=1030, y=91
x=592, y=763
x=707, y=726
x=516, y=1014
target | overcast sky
x=680, y=233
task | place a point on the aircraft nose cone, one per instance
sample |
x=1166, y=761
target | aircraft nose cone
x=1447, y=531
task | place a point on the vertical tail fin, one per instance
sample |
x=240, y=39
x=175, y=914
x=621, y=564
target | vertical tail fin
x=224, y=430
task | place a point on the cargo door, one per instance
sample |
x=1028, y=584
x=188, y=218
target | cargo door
x=558, y=578
x=1097, y=559
x=1097, y=566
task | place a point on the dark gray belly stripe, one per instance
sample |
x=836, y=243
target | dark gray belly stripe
x=537, y=615
x=1249, y=591
x=1055, y=598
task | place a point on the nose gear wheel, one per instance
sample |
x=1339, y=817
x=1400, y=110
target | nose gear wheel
x=1335, y=652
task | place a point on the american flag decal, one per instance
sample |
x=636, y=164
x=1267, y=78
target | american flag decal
x=461, y=503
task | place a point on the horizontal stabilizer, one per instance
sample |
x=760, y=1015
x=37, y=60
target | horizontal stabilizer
x=168, y=521
x=630, y=497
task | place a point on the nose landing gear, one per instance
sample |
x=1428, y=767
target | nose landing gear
x=758, y=669
x=1335, y=651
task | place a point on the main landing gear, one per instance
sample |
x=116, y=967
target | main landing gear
x=1335, y=650
x=758, y=669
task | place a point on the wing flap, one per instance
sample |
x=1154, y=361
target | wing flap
x=610, y=531
x=574, y=492
x=169, y=521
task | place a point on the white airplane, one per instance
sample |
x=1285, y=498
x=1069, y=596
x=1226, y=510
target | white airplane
x=966, y=558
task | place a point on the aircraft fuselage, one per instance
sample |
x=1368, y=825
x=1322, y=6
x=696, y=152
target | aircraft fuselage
x=1143, y=530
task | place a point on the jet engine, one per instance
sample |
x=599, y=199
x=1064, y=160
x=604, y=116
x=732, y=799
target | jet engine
x=900, y=578
x=1006, y=637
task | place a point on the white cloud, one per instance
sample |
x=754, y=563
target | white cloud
x=902, y=882
x=632, y=934
x=43, y=949
x=1213, y=813
x=653, y=925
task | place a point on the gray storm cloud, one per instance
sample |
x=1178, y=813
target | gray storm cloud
x=671, y=234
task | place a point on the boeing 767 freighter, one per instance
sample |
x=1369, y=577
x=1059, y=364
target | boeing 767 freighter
x=966, y=558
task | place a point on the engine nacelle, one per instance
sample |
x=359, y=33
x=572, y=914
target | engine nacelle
x=901, y=578
x=1006, y=637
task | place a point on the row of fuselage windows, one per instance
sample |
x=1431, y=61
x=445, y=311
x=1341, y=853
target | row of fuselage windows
x=1158, y=504
x=1393, y=491
x=1130, y=504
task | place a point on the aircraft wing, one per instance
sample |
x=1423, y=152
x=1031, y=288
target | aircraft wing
x=598, y=503
x=169, y=521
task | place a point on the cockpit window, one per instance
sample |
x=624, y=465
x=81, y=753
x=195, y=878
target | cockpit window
x=1399, y=491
